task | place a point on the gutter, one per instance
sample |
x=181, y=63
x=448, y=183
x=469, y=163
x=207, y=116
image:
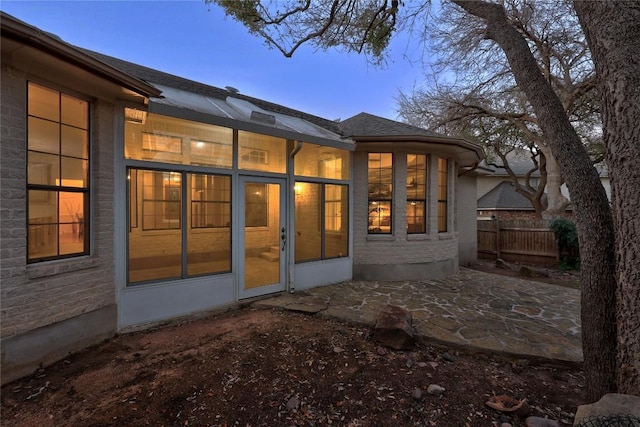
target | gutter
x=441, y=140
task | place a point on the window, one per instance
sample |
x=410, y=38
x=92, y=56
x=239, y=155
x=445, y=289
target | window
x=161, y=200
x=443, y=188
x=336, y=225
x=313, y=240
x=167, y=241
x=262, y=152
x=210, y=201
x=380, y=192
x=322, y=162
x=416, y=193
x=257, y=206
x=57, y=174
x=177, y=141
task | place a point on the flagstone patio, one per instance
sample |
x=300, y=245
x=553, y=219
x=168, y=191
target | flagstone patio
x=472, y=309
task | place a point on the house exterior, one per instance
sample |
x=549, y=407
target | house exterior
x=505, y=203
x=496, y=193
x=130, y=197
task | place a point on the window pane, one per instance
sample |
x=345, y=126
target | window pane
x=155, y=250
x=209, y=236
x=416, y=193
x=211, y=153
x=161, y=201
x=75, y=142
x=380, y=172
x=44, y=102
x=257, y=208
x=173, y=140
x=43, y=224
x=75, y=112
x=336, y=221
x=74, y=172
x=72, y=225
x=379, y=217
x=322, y=162
x=44, y=136
x=380, y=176
x=416, y=176
x=443, y=177
x=442, y=217
x=43, y=169
x=415, y=217
x=261, y=152
x=308, y=221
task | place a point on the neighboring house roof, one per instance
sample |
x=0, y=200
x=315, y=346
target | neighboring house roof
x=520, y=163
x=367, y=128
x=15, y=30
x=504, y=197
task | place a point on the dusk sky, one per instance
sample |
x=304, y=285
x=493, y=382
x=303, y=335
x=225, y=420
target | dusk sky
x=193, y=40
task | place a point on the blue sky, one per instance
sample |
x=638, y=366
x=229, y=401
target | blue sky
x=191, y=39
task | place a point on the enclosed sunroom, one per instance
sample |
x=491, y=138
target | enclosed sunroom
x=226, y=201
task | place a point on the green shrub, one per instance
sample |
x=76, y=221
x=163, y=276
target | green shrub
x=567, y=239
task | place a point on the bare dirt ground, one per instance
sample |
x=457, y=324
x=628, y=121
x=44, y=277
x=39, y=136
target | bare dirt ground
x=269, y=368
x=554, y=276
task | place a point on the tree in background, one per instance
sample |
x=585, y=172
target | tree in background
x=472, y=93
x=613, y=32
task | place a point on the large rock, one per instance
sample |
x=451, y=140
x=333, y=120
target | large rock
x=393, y=328
x=540, y=422
x=609, y=404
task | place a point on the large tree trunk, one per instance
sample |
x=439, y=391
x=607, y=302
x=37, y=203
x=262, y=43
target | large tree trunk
x=556, y=201
x=613, y=32
x=591, y=207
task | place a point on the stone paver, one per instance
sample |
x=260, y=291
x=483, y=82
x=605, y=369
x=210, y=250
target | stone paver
x=471, y=309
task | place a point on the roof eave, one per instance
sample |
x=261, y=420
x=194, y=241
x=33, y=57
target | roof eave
x=27, y=34
x=431, y=139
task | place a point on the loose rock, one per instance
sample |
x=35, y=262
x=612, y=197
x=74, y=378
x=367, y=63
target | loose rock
x=293, y=403
x=393, y=328
x=612, y=403
x=540, y=422
x=448, y=357
x=417, y=394
x=435, y=389
x=500, y=263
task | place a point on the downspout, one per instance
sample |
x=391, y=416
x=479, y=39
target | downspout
x=292, y=156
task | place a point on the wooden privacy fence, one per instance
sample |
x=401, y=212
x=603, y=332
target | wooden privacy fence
x=525, y=241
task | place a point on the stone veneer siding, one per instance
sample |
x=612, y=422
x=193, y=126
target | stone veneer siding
x=35, y=298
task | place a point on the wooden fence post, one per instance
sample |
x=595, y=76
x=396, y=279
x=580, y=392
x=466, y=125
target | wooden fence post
x=497, y=238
